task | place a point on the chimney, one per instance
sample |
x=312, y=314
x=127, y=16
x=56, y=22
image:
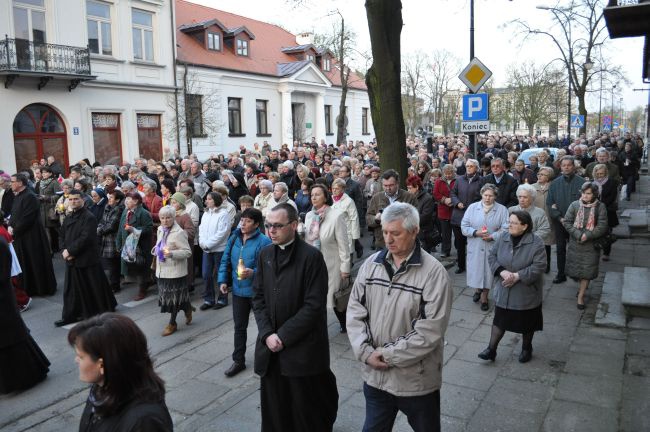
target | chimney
x=305, y=38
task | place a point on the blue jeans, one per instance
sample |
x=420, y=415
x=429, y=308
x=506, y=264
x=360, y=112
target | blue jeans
x=422, y=412
x=210, y=267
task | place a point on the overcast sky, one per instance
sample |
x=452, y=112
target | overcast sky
x=444, y=24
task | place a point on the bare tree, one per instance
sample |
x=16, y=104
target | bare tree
x=533, y=92
x=195, y=111
x=578, y=28
x=443, y=69
x=635, y=119
x=413, y=70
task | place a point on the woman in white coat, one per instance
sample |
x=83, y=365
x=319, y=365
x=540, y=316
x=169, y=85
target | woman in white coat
x=326, y=230
x=483, y=222
x=343, y=203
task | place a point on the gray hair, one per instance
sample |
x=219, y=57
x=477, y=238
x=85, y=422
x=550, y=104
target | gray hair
x=526, y=188
x=602, y=150
x=287, y=164
x=167, y=211
x=402, y=211
x=448, y=167
x=151, y=185
x=282, y=186
x=599, y=167
x=339, y=182
x=266, y=184
x=67, y=182
x=128, y=185
x=489, y=186
x=473, y=162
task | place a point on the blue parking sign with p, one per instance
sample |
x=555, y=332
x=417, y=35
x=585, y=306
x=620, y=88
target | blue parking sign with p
x=475, y=107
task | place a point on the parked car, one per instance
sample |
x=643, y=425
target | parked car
x=525, y=155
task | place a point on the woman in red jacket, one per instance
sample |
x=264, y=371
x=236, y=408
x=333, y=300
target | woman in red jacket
x=442, y=195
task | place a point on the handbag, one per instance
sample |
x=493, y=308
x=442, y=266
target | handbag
x=132, y=251
x=604, y=241
x=51, y=214
x=342, y=296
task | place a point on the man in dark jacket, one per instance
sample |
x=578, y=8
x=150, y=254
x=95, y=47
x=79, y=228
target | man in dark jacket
x=298, y=389
x=563, y=191
x=505, y=183
x=465, y=192
x=30, y=240
x=354, y=191
x=86, y=291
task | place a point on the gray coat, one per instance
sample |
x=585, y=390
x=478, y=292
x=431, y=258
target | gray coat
x=528, y=259
x=541, y=225
x=582, y=259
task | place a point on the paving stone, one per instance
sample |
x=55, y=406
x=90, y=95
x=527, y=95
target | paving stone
x=595, y=365
x=451, y=424
x=475, y=376
x=193, y=395
x=637, y=365
x=636, y=404
x=568, y=416
x=639, y=343
x=528, y=396
x=536, y=370
x=598, y=346
x=457, y=335
x=639, y=323
x=491, y=417
x=180, y=370
x=468, y=320
x=611, y=312
x=469, y=351
x=600, y=332
x=603, y=392
x=459, y=402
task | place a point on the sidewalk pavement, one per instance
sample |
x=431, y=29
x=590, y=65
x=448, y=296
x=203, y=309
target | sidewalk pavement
x=581, y=377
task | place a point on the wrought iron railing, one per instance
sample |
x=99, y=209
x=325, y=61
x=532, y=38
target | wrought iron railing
x=20, y=55
x=613, y=3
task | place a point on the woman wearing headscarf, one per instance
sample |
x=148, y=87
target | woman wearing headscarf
x=171, y=253
x=99, y=203
x=326, y=230
x=585, y=221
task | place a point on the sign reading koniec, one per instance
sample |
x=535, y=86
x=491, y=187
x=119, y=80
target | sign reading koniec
x=475, y=126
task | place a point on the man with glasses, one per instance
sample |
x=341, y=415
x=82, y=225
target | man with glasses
x=298, y=389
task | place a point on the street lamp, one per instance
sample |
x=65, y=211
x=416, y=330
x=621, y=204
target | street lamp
x=612, y=127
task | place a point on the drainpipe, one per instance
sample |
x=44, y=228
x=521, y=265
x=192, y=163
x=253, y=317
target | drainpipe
x=173, y=30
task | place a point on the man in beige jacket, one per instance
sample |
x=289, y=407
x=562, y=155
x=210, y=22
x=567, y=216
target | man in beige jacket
x=396, y=319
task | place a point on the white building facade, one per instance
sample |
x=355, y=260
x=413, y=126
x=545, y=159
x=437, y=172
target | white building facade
x=84, y=79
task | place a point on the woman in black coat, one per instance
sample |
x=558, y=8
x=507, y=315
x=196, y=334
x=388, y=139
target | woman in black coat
x=629, y=167
x=608, y=192
x=126, y=394
x=22, y=363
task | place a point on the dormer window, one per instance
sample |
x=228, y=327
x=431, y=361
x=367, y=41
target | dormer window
x=310, y=57
x=242, y=47
x=327, y=65
x=214, y=41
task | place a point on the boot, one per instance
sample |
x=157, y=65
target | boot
x=142, y=293
x=341, y=317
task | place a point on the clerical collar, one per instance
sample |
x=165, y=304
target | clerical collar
x=284, y=246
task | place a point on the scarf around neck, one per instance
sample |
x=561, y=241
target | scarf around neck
x=313, y=231
x=159, y=250
x=591, y=219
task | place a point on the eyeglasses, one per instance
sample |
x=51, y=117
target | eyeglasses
x=276, y=226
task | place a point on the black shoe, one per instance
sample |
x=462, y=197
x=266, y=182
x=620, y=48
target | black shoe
x=206, y=306
x=219, y=306
x=476, y=297
x=485, y=306
x=459, y=270
x=62, y=322
x=359, y=253
x=526, y=355
x=234, y=369
x=559, y=279
x=444, y=255
x=548, y=269
x=488, y=354
x=581, y=306
x=343, y=329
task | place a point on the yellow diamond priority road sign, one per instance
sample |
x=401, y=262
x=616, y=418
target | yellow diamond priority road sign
x=475, y=75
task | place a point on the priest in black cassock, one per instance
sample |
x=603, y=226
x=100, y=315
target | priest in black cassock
x=30, y=240
x=86, y=291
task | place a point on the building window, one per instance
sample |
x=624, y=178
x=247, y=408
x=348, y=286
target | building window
x=142, y=29
x=260, y=108
x=99, y=28
x=234, y=116
x=310, y=57
x=214, y=42
x=364, y=121
x=242, y=47
x=194, y=115
x=106, y=138
x=149, y=136
x=29, y=26
x=328, y=119
x=327, y=64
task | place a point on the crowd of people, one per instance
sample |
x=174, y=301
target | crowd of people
x=277, y=231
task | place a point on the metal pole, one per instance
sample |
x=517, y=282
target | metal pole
x=600, y=101
x=612, y=128
x=568, y=123
x=472, y=136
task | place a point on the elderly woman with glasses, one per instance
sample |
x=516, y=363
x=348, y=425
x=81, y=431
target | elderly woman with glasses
x=526, y=195
x=517, y=262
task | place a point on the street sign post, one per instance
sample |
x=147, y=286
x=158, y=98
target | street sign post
x=475, y=75
x=476, y=126
x=475, y=107
x=577, y=121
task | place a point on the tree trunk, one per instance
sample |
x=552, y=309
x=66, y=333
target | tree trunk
x=384, y=85
x=341, y=129
x=582, y=110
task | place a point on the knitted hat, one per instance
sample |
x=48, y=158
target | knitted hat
x=179, y=198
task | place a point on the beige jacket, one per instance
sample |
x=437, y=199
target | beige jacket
x=176, y=265
x=404, y=316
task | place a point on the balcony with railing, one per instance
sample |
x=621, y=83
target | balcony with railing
x=20, y=57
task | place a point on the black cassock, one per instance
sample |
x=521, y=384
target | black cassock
x=31, y=245
x=22, y=363
x=86, y=291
